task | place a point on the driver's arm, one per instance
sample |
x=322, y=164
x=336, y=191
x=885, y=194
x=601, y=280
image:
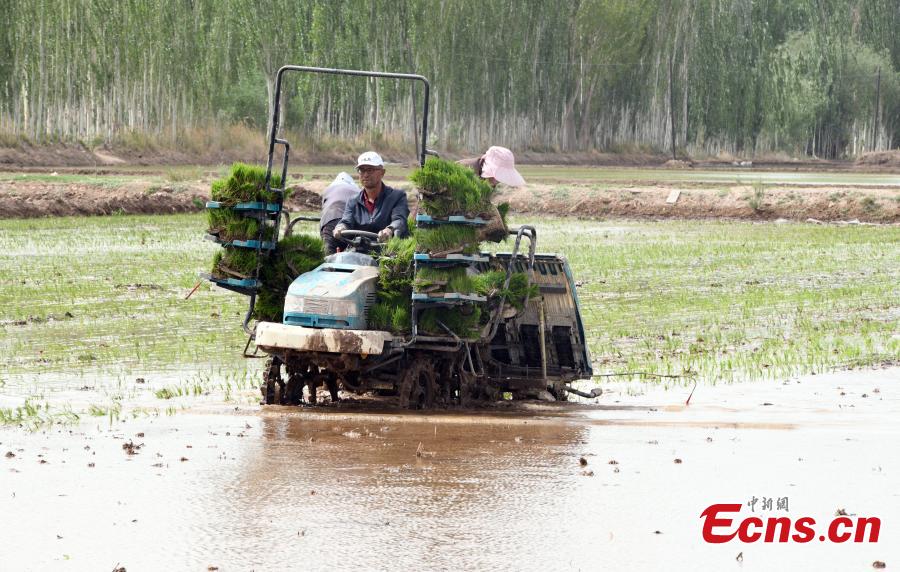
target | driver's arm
x=399, y=216
x=348, y=220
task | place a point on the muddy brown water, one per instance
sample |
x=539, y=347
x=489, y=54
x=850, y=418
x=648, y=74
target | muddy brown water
x=283, y=488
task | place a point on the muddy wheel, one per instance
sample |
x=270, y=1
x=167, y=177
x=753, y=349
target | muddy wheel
x=445, y=383
x=312, y=389
x=331, y=383
x=418, y=385
x=350, y=381
x=559, y=393
x=466, y=387
x=298, y=375
x=273, y=386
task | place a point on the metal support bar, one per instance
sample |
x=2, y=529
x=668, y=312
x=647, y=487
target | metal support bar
x=275, y=140
x=335, y=71
x=249, y=316
x=296, y=219
x=521, y=231
x=542, y=330
x=596, y=392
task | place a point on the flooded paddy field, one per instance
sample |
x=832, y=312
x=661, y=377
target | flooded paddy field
x=715, y=301
x=616, y=485
x=130, y=430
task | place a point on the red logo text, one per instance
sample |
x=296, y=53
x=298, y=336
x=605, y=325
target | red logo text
x=721, y=524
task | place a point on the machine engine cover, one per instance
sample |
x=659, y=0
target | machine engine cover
x=334, y=295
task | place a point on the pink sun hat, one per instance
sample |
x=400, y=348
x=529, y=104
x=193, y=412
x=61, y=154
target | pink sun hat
x=500, y=164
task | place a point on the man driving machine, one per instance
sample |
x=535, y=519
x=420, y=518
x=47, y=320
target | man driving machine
x=378, y=208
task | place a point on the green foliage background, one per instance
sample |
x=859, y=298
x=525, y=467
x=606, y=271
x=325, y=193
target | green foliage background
x=746, y=75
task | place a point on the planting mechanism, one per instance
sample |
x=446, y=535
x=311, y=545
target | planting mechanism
x=534, y=352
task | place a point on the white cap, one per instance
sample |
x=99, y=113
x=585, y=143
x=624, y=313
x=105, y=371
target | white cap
x=343, y=178
x=370, y=158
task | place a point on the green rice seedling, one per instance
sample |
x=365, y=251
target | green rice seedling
x=33, y=416
x=247, y=229
x=298, y=254
x=464, y=321
x=449, y=189
x=391, y=311
x=269, y=305
x=239, y=262
x=164, y=393
x=503, y=209
x=293, y=256
x=217, y=189
x=456, y=279
x=245, y=183
x=400, y=319
x=217, y=220
x=97, y=410
x=379, y=316
x=447, y=239
x=490, y=284
x=395, y=266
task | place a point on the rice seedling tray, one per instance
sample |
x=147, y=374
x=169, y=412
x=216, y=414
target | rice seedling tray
x=446, y=298
x=244, y=286
x=254, y=244
x=426, y=220
x=247, y=207
x=425, y=258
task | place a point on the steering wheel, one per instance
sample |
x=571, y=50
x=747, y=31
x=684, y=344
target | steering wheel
x=360, y=238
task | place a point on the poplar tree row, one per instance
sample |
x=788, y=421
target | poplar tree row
x=816, y=77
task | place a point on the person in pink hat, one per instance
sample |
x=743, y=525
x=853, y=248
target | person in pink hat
x=497, y=165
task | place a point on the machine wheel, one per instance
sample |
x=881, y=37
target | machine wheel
x=273, y=386
x=331, y=383
x=298, y=376
x=418, y=385
x=466, y=387
x=558, y=392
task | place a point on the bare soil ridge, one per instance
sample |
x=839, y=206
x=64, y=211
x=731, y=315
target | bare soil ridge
x=129, y=183
x=799, y=203
x=31, y=199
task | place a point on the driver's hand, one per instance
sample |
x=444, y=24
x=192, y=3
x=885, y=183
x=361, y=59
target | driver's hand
x=338, y=231
x=385, y=234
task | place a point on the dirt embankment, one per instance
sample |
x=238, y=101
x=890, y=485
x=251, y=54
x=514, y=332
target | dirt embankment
x=30, y=199
x=33, y=199
x=696, y=201
x=117, y=185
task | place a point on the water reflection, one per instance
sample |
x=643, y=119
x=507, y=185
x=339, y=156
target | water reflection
x=353, y=493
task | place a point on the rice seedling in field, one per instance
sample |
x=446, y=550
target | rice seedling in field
x=712, y=300
x=32, y=415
